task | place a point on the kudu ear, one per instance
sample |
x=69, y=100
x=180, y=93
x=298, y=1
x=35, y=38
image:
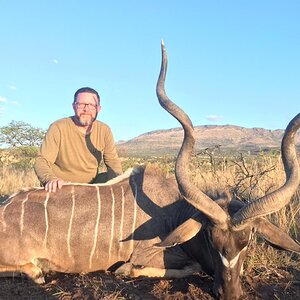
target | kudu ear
x=181, y=234
x=276, y=236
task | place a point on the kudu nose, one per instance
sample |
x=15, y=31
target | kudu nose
x=229, y=294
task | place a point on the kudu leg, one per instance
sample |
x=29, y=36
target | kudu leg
x=31, y=270
x=4, y=272
x=165, y=273
x=139, y=271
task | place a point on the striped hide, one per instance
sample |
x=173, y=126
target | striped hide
x=82, y=227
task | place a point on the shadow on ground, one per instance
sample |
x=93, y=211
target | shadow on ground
x=281, y=284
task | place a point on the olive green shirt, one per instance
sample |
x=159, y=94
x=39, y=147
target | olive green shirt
x=74, y=156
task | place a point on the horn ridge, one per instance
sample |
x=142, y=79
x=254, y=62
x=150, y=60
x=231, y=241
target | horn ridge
x=278, y=199
x=189, y=191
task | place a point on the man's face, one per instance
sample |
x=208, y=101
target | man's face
x=86, y=108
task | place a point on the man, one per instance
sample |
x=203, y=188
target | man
x=74, y=147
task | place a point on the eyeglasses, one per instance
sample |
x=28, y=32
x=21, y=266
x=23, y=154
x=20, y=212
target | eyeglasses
x=86, y=105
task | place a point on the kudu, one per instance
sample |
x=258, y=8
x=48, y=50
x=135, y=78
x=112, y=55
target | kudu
x=143, y=223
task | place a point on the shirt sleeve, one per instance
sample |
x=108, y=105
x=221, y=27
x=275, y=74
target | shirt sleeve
x=47, y=155
x=110, y=156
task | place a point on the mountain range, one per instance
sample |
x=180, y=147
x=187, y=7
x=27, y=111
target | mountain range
x=228, y=137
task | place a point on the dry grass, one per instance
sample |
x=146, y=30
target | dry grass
x=12, y=180
x=247, y=178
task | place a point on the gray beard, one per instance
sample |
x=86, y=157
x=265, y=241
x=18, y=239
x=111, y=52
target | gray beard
x=84, y=122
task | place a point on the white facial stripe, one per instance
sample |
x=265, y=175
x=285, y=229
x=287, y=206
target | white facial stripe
x=231, y=263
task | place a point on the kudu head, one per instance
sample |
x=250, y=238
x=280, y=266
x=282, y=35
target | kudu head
x=230, y=223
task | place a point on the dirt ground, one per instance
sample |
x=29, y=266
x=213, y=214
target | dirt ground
x=274, y=284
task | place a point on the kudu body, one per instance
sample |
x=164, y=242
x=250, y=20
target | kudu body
x=142, y=223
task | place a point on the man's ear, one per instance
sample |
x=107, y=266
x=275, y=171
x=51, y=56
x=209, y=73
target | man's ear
x=99, y=107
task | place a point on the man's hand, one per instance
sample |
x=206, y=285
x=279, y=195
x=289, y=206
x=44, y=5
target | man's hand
x=53, y=184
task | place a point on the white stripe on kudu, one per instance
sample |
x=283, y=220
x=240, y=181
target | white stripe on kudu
x=3, y=219
x=112, y=223
x=96, y=226
x=121, y=224
x=22, y=214
x=70, y=224
x=134, y=215
x=46, y=219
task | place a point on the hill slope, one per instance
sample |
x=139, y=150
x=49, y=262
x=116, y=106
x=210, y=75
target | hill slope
x=229, y=137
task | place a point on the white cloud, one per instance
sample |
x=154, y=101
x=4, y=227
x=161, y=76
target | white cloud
x=54, y=60
x=214, y=118
x=5, y=100
x=2, y=109
x=2, y=99
x=12, y=87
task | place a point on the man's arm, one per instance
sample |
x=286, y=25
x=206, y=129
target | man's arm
x=110, y=156
x=46, y=158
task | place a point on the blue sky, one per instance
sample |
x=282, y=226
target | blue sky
x=230, y=62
